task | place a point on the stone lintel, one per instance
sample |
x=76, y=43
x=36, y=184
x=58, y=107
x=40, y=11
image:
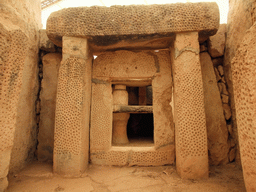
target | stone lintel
x=108, y=26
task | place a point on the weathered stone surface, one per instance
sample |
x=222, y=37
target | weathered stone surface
x=73, y=101
x=19, y=25
x=216, y=43
x=45, y=43
x=203, y=48
x=51, y=63
x=216, y=125
x=244, y=78
x=241, y=17
x=217, y=61
x=224, y=98
x=220, y=69
x=143, y=22
x=232, y=154
x=136, y=70
x=230, y=129
x=217, y=74
x=227, y=111
x=190, y=135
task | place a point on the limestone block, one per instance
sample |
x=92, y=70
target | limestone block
x=224, y=98
x=232, y=154
x=51, y=63
x=230, y=129
x=189, y=108
x=220, y=69
x=167, y=19
x=218, y=77
x=244, y=78
x=45, y=43
x=223, y=79
x=217, y=61
x=203, y=48
x=227, y=111
x=215, y=121
x=241, y=17
x=71, y=135
x=223, y=88
x=216, y=43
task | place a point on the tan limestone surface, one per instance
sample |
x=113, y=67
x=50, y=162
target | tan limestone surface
x=244, y=81
x=217, y=132
x=51, y=63
x=44, y=42
x=71, y=134
x=189, y=108
x=19, y=24
x=216, y=43
x=139, y=68
x=241, y=17
x=109, y=25
x=39, y=178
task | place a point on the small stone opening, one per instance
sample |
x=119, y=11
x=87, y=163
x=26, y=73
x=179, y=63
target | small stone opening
x=140, y=129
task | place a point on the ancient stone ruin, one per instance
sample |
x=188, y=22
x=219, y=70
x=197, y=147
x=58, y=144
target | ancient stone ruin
x=144, y=85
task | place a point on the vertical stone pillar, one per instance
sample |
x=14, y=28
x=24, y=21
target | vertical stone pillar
x=120, y=120
x=189, y=111
x=71, y=137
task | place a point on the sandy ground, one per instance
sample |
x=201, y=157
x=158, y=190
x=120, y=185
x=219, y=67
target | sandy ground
x=38, y=177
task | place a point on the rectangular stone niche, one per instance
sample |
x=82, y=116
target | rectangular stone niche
x=138, y=123
x=147, y=76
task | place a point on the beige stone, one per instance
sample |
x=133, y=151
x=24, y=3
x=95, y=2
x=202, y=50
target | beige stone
x=120, y=120
x=45, y=43
x=241, y=17
x=189, y=108
x=217, y=133
x=203, y=48
x=217, y=61
x=223, y=88
x=230, y=129
x=227, y=111
x=216, y=43
x=232, y=154
x=217, y=74
x=71, y=135
x=220, y=69
x=224, y=98
x=51, y=63
x=168, y=19
x=243, y=75
x=19, y=24
x=223, y=80
x=139, y=69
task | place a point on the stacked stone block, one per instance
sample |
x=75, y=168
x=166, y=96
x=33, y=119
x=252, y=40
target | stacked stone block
x=214, y=48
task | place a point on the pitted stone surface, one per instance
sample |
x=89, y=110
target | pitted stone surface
x=243, y=75
x=132, y=22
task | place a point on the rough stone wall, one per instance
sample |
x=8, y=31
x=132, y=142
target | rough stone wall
x=19, y=25
x=50, y=58
x=241, y=17
x=244, y=81
x=221, y=139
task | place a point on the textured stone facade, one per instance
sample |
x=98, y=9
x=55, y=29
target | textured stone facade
x=19, y=38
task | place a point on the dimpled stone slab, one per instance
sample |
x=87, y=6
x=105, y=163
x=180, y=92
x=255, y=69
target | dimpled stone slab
x=132, y=22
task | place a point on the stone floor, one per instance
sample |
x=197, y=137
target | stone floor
x=38, y=177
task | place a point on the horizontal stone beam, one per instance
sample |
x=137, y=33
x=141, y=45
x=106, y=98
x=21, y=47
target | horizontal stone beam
x=104, y=26
x=132, y=109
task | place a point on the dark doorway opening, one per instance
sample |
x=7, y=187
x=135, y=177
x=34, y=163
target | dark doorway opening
x=140, y=128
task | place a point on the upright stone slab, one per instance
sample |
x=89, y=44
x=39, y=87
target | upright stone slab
x=71, y=137
x=189, y=110
x=244, y=81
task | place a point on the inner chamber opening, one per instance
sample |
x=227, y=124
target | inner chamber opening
x=140, y=125
x=140, y=129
